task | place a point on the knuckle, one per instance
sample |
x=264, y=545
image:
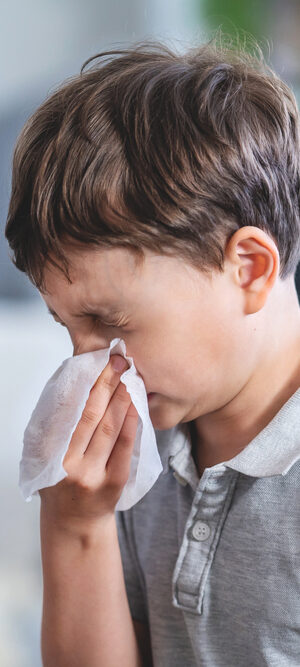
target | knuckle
x=109, y=382
x=122, y=395
x=89, y=416
x=84, y=483
x=88, y=480
x=107, y=429
x=73, y=481
x=69, y=467
x=73, y=478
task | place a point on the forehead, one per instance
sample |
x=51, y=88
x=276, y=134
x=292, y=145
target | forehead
x=92, y=270
x=112, y=277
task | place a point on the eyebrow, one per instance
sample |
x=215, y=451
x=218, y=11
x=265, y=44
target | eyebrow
x=102, y=312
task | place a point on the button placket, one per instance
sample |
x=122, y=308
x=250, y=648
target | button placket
x=202, y=531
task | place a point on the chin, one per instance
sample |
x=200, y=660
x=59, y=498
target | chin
x=165, y=419
x=168, y=416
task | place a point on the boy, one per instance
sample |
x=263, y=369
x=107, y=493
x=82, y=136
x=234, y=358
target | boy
x=156, y=198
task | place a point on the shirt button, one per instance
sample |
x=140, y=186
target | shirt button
x=200, y=531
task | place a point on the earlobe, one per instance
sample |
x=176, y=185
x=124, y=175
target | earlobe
x=255, y=258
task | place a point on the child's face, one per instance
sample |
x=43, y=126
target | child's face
x=186, y=333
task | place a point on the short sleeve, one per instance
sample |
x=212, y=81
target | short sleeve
x=134, y=580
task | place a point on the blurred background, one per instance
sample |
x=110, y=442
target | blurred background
x=42, y=43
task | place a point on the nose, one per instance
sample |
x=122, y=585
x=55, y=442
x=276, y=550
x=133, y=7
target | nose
x=89, y=345
x=94, y=348
x=88, y=342
x=81, y=349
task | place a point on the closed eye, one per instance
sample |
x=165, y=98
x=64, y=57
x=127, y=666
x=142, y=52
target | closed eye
x=113, y=323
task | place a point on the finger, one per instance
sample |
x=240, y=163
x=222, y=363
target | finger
x=95, y=407
x=118, y=464
x=108, y=429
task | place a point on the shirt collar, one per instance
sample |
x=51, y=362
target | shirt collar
x=272, y=452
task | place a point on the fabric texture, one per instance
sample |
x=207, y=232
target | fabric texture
x=213, y=564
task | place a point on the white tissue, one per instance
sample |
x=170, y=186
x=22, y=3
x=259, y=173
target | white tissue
x=57, y=413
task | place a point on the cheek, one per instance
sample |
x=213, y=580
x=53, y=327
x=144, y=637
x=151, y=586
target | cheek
x=203, y=359
x=176, y=361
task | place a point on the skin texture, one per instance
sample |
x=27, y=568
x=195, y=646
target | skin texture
x=221, y=352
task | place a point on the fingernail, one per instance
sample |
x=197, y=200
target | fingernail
x=118, y=363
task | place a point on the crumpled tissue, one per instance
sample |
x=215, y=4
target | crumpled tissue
x=57, y=413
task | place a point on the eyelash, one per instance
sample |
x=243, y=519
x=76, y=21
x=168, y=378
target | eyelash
x=117, y=323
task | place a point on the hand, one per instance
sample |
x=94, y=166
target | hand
x=98, y=457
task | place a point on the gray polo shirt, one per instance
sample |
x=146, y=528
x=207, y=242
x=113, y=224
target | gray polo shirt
x=213, y=564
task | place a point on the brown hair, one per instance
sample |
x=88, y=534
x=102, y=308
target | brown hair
x=148, y=148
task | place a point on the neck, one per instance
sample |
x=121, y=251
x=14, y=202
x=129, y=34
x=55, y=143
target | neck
x=220, y=435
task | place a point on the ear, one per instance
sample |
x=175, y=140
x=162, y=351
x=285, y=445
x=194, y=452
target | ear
x=255, y=260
